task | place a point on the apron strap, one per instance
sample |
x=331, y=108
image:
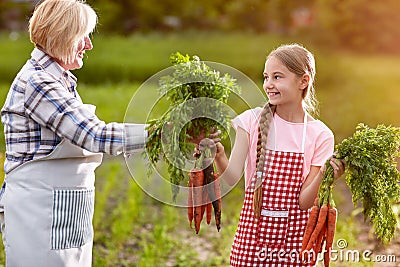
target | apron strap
x=303, y=142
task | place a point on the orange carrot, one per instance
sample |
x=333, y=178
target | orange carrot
x=311, y=222
x=209, y=212
x=218, y=202
x=209, y=192
x=317, y=247
x=190, y=201
x=203, y=202
x=323, y=212
x=331, y=228
x=208, y=170
x=198, y=178
x=320, y=240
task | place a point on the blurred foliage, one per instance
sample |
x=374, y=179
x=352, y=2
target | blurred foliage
x=359, y=25
x=13, y=14
x=351, y=87
x=139, y=56
x=127, y=16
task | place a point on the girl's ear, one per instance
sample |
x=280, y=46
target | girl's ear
x=305, y=81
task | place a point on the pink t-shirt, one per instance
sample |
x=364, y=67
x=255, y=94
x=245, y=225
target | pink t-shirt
x=286, y=136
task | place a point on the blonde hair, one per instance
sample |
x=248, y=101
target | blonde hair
x=57, y=26
x=299, y=61
x=266, y=117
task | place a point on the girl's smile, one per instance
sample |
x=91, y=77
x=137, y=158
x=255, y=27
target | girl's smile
x=272, y=94
x=282, y=86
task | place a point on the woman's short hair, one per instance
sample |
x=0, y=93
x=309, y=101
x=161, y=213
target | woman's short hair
x=56, y=27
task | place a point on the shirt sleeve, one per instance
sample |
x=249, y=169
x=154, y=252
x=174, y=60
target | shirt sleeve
x=52, y=106
x=324, y=148
x=246, y=119
x=135, y=136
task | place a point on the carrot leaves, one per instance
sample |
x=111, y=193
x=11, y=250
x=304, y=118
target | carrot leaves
x=372, y=175
x=197, y=96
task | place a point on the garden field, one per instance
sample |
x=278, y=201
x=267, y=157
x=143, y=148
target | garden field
x=133, y=229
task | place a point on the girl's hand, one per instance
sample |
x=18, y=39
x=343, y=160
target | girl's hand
x=220, y=150
x=213, y=135
x=338, y=166
x=213, y=143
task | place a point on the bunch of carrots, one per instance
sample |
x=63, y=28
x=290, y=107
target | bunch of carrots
x=321, y=225
x=204, y=193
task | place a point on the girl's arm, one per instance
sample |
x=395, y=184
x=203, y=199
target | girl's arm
x=231, y=170
x=309, y=190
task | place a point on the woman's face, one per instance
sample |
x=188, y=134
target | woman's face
x=83, y=44
x=281, y=85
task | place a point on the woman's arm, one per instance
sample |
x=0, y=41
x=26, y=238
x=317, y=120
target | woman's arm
x=309, y=190
x=231, y=170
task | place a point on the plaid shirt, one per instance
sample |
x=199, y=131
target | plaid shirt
x=43, y=107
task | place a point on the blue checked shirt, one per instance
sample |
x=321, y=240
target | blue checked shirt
x=43, y=107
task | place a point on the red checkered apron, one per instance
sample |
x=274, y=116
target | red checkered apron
x=275, y=239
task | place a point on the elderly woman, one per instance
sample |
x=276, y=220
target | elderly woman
x=54, y=143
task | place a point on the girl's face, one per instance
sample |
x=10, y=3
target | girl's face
x=281, y=85
x=83, y=44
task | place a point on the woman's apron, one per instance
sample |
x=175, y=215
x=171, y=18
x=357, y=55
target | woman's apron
x=48, y=209
x=275, y=239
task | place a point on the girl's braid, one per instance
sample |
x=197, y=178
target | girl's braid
x=263, y=129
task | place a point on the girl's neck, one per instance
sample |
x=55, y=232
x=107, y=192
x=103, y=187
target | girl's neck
x=291, y=114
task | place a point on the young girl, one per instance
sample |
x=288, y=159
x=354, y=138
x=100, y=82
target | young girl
x=282, y=149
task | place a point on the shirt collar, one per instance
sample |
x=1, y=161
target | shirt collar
x=50, y=65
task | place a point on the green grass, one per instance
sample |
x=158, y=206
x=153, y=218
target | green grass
x=138, y=57
x=133, y=229
x=128, y=59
